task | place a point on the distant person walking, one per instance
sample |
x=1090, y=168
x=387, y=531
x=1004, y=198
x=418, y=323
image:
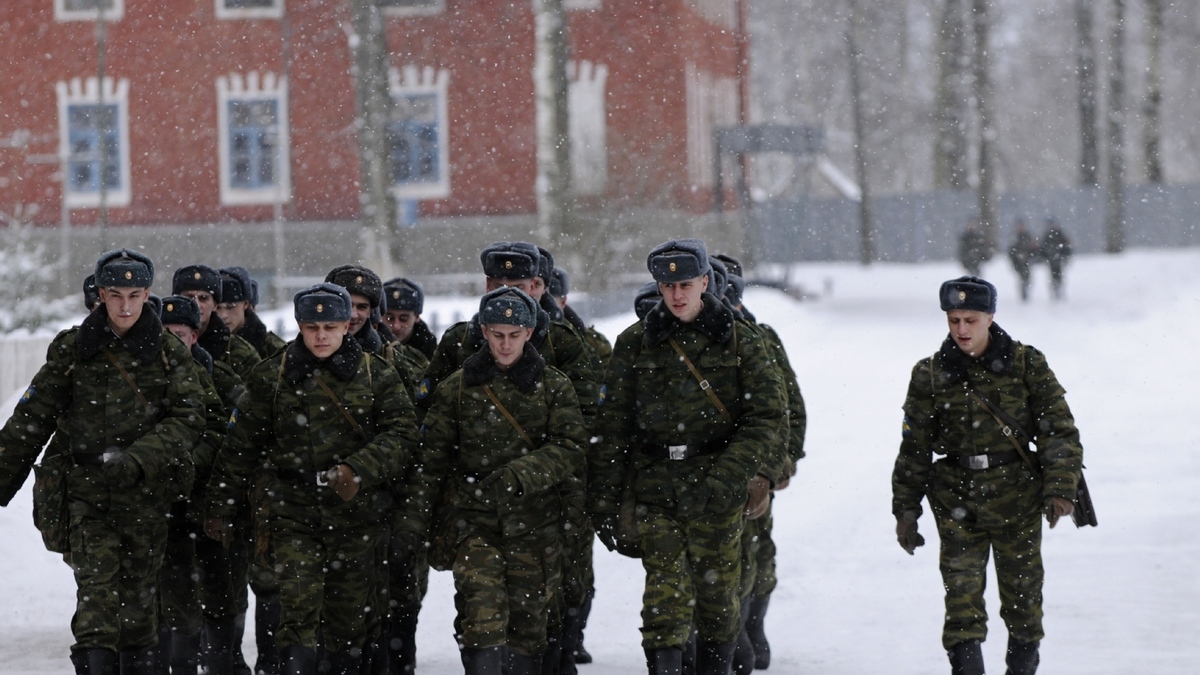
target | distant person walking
x=973, y=248
x=1023, y=252
x=1056, y=249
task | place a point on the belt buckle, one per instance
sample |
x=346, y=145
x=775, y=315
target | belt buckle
x=677, y=452
x=977, y=462
x=322, y=478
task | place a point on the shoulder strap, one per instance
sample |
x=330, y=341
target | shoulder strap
x=129, y=380
x=338, y=402
x=1008, y=425
x=508, y=416
x=704, y=385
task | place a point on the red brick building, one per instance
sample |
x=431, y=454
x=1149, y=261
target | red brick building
x=217, y=111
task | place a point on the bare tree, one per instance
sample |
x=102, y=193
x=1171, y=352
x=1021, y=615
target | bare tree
x=553, y=131
x=373, y=102
x=1114, y=212
x=951, y=146
x=1085, y=57
x=987, y=133
x=1152, y=103
x=866, y=228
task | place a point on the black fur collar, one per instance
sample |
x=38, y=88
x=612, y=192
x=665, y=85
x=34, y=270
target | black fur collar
x=203, y=358
x=369, y=339
x=574, y=319
x=476, y=342
x=254, y=331
x=549, y=304
x=526, y=373
x=747, y=315
x=422, y=338
x=301, y=363
x=715, y=320
x=215, y=338
x=998, y=357
x=143, y=339
x=386, y=336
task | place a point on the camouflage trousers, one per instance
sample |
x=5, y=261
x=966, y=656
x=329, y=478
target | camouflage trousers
x=758, y=557
x=963, y=559
x=504, y=594
x=116, y=560
x=327, y=575
x=178, y=588
x=693, y=573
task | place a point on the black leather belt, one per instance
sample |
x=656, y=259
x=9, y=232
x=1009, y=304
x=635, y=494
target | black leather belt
x=986, y=461
x=93, y=460
x=309, y=477
x=684, y=451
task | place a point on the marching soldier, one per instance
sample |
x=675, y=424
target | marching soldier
x=404, y=300
x=693, y=409
x=501, y=436
x=203, y=284
x=239, y=297
x=986, y=491
x=122, y=395
x=559, y=288
x=337, y=427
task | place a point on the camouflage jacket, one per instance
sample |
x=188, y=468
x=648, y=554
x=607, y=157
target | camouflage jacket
x=653, y=401
x=222, y=390
x=778, y=464
x=466, y=437
x=286, y=413
x=555, y=341
x=264, y=341
x=797, y=415
x=225, y=346
x=942, y=418
x=82, y=398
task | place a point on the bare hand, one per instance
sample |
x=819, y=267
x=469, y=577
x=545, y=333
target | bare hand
x=1055, y=508
x=760, y=497
x=344, y=481
x=217, y=530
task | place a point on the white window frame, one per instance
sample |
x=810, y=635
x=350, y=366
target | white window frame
x=275, y=11
x=414, y=81
x=588, y=121
x=570, y=5
x=254, y=87
x=114, y=13
x=88, y=92
x=438, y=7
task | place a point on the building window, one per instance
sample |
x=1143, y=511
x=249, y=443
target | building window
x=712, y=103
x=581, y=4
x=94, y=140
x=88, y=10
x=417, y=135
x=249, y=9
x=412, y=7
x=252, y=117
x=588, y=120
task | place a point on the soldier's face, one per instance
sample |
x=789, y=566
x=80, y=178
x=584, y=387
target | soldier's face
x=506, y=342
x=525, y=285
x=184, y=332
x=969, y=330
x=401, y=322
x=324, y=338
x=684, y=298
x=207, y=304
x=124, y=307
x=233, y=314
x=360, y=311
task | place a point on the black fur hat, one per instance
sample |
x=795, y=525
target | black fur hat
x=508, y=306
x=327, y=302
x=559, y=284
x=358, y=280
x=236, y=285
x=91, y=294
x=678, y=260
x=647, y=297
x=970, y=293
x=510, y=260
x=180, y=309
x=124, y=268
x=197, y=278
x=403, y=295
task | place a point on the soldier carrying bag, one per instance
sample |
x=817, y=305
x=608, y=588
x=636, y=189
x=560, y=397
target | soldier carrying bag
x=1083, y=512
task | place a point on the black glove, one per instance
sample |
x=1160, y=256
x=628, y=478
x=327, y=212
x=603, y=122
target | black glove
x=122, y=471
x=907, y=535
x=503, y=483
x=605, y=525
x=405, y=544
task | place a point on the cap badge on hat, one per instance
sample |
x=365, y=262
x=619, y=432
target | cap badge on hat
x=672, y=267
x=508, y=312
x=128, y=274
x=962, y=295
x=508, y=264
x=196, y=275
x=320, y=309
x=358, y=280
x=170, y=307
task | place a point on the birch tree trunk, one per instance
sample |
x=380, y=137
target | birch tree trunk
x=1085, y=60
x=1114, y=212
x=1152, y=104
x=950, y=145
x=866, y=228
x=553, y=131
x=987, y=132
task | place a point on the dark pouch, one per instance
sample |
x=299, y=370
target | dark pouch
x=1084, y=513
x=50, y=513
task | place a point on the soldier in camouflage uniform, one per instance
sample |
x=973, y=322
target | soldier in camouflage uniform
x=337, y=426
x=503, y=433
x=694, y=446
x=122, y=395
x=239, y=297
x=986, y=492
x=404, y=300
x=559, y=288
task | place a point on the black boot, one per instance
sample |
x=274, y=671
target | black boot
x=485, y=661
x=1022, y=657
x=159, y=656
x=572, y=636
x=743, y=653
x=581, y=653
x=758, y=636
x=689, y=655
x=349, y=662
x=94, y=661
x=185, y=653
x=266, y=623
x=402, y=643
x=668, y=661
x=551, y=659
x=139, y=662
x=239, y=632
x=520, y=664
x=218, y=652
x=966, y=658
x=714, y=658
x=297, y=660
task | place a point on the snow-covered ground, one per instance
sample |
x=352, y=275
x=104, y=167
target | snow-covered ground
x=1122, y=598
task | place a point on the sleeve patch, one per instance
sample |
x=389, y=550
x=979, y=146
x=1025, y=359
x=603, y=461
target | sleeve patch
x=233, y=418
x=25, y=398
x=423, y=389
x=603, y=394
x=905, y=429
